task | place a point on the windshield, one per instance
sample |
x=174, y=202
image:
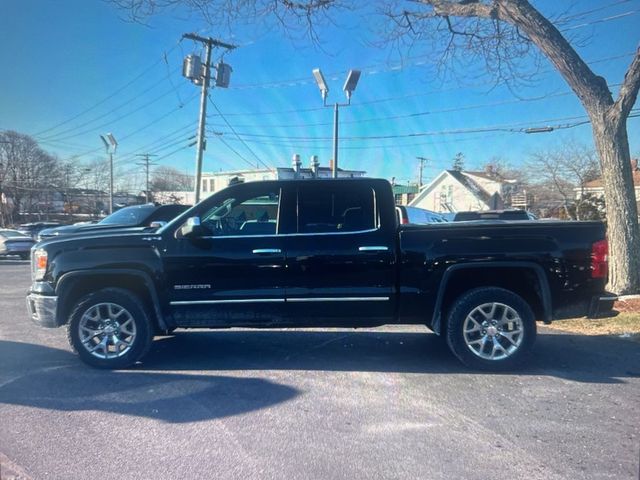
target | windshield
x=128, y=216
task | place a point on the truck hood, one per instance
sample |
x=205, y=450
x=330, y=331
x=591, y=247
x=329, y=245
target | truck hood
x=122, y=237
x=82, y=228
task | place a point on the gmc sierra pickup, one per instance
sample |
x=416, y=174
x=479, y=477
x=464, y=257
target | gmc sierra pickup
x=319, y=253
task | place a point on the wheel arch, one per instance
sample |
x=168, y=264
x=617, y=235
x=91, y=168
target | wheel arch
x=74, y=285
x=456, y=280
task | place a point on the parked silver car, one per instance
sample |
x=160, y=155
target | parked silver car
x=12, y=242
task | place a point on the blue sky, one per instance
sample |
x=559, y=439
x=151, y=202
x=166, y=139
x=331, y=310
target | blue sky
x=73, y=69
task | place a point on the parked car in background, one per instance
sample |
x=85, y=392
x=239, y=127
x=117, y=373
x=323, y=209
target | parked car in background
x=13, y=242
x=135, y=216
x=34, y=228
x=418, y=215
x=494, y=215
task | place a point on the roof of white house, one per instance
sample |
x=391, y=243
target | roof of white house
x=464, y=179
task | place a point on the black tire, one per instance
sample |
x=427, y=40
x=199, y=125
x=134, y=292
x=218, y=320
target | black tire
x=473, y=347
x=131, y=312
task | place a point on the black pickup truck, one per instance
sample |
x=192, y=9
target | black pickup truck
x=319, y=253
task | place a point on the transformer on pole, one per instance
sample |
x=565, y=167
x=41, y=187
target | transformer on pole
x=200, y=74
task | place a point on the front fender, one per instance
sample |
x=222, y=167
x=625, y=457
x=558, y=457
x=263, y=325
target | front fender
x=69, y=282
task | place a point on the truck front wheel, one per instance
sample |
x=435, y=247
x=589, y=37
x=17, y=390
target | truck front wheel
x=491, y=328
x=110, y=329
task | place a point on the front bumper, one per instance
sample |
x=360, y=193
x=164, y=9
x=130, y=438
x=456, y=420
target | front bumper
x=601, y=306
x=42, y=309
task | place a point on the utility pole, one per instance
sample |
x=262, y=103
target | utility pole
x=422, y=162
x=145, y=163
x=204, y=77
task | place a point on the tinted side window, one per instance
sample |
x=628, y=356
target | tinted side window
x=255, y=213
x=336, y=208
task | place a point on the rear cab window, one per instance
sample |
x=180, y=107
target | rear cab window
x=336, y=208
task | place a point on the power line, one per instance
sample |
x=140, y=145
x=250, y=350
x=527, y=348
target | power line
x=512, y=128
x=135, y=132
x=593, y=10
x=403, y=96
x=236, y=134
x=235, y=151
x=159, y=149
x=108, y=123
x=419, y=114
x=159, y=143
x=601, y=20
x=97, y=104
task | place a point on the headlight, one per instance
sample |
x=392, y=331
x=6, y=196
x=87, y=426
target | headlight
x=38, y=264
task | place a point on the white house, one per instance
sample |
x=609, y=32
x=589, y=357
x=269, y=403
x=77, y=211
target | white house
x=455, y=191
x=596, y=187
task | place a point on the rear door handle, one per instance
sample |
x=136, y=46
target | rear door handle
x=373, y=248
x=266, y=251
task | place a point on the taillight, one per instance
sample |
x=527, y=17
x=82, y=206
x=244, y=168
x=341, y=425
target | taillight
x=405, y=221
x=600, y=259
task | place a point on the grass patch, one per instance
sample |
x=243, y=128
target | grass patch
x=626, y=323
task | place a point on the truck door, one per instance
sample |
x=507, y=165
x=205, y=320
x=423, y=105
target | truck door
x=341, y=259
x=232, y=273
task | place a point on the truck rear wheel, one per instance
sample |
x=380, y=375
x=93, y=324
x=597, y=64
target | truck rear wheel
x=110, y=329
x=491, y=328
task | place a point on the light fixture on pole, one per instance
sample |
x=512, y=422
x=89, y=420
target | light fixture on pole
x=349, y=87
x=110, y=144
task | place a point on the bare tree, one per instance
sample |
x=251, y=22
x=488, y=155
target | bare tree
x=555, y=174
x=166, y=179
x=501, y=33
x=27, y=174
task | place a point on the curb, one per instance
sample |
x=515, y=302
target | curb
x=624, y=298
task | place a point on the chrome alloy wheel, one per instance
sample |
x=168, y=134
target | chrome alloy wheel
x=493, y=331
x=107, y=330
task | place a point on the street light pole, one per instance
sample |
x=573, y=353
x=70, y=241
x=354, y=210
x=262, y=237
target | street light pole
x=349, y=87
x=334, y=168
x=111, y=145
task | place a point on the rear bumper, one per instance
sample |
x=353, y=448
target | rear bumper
x=601, y=306
x=42, y=310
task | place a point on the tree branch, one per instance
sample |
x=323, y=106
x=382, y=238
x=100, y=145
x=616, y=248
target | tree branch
x=468, y=8
x=590, y=88
x=629, y=89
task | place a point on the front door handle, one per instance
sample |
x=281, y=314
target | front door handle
x=266, y=251
x=373, y=248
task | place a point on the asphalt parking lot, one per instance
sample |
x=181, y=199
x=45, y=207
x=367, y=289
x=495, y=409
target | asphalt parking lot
x=324, y=404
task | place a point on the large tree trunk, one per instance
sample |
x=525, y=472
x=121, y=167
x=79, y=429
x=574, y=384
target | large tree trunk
x=610, y=135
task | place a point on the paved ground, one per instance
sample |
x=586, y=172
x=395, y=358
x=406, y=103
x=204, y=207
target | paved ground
x=385, y=403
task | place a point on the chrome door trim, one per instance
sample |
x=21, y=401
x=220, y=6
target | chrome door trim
x=214, y=302
x=338, y=299
x=281, y=300
x=262, y=251
x=373, y=248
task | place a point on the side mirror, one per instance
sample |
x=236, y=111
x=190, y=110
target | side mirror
x=191, y=228
x=157, y=224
